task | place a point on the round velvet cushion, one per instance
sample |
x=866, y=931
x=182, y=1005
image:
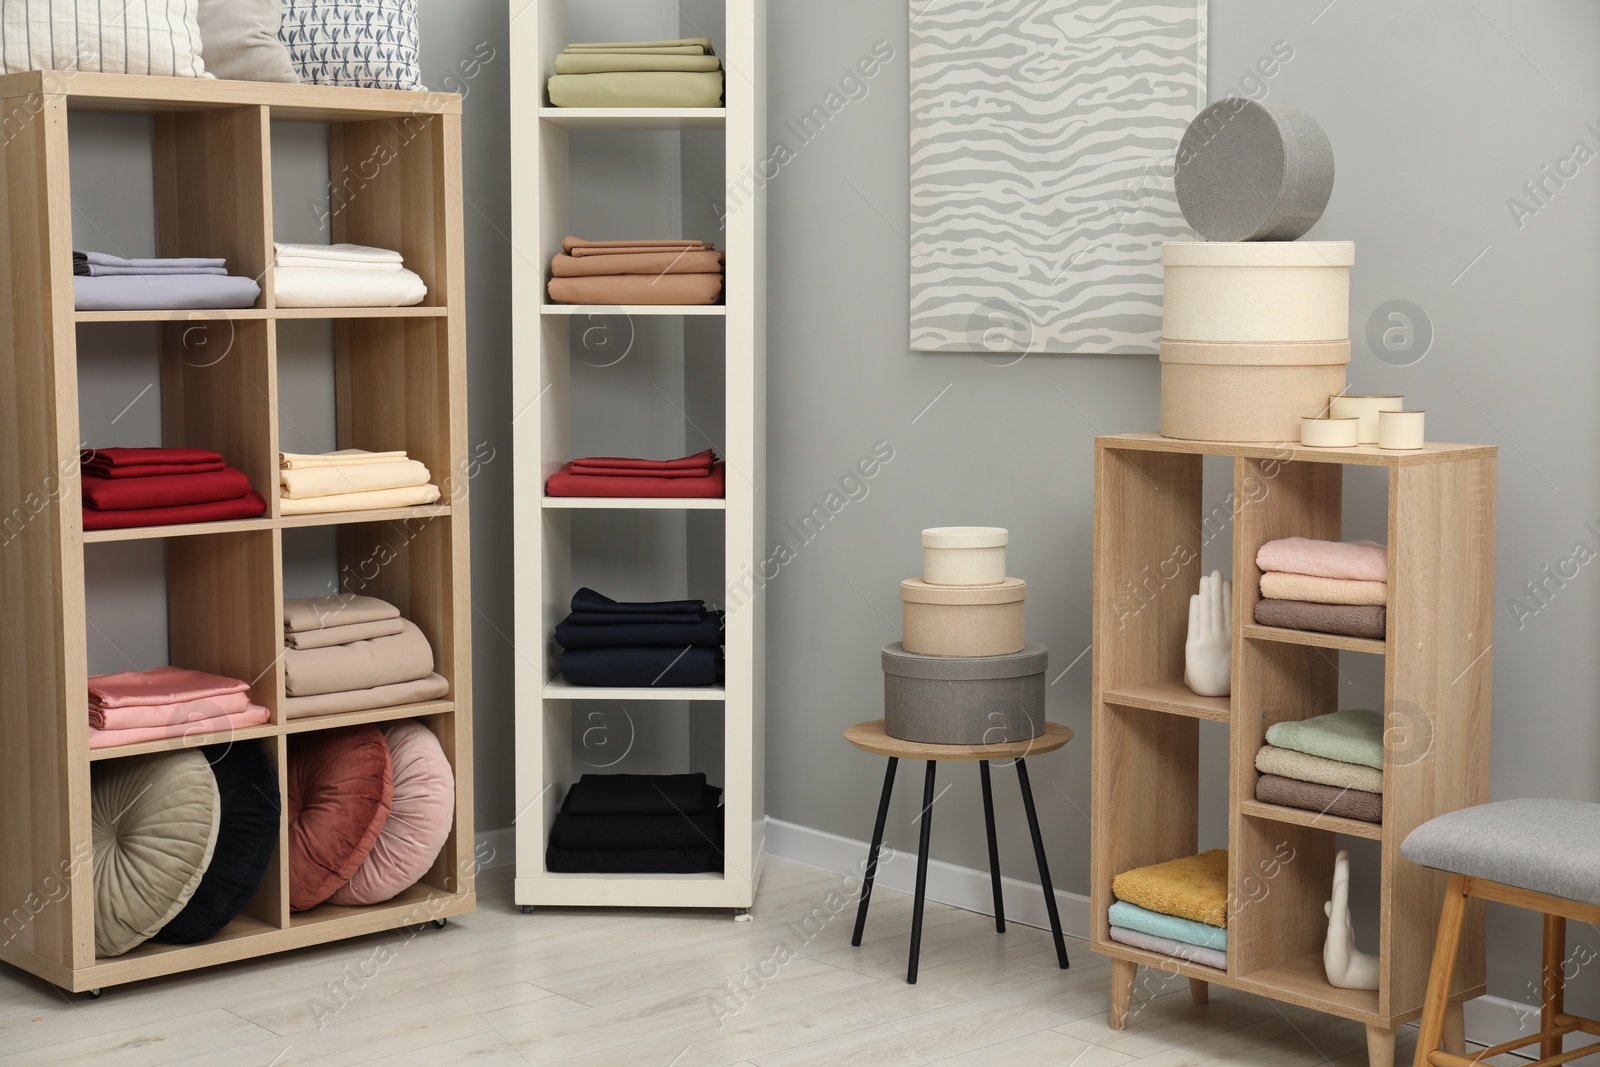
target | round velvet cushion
x=419, y=821
x=155, y=821
x=340, y=787
x=248, y=785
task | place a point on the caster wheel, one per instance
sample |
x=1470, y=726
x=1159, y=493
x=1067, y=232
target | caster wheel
x=94, y=994
x=527, y=909
x=741, y=915
x=440, y=923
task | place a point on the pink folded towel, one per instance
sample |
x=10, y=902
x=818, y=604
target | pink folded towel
x=221, y=726
x=161, y=685
x=1362, y=561
x=158, y=715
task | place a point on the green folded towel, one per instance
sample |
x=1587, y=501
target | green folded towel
x=637, y=89
x=1354, y=735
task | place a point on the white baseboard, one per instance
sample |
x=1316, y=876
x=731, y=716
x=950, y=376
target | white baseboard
x=1493, y=1020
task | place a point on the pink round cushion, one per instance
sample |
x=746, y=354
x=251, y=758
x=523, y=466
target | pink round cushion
x=340, y=789
x=420, y=818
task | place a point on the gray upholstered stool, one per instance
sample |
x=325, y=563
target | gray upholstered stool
x=1542, y=855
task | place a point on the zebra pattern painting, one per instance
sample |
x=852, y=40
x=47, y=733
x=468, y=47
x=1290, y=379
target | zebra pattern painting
x=1042, y=141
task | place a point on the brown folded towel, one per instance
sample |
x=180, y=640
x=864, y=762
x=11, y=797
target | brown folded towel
x=638, y=289
x=644, y=263
x=1350, y=620
x=1330, y=800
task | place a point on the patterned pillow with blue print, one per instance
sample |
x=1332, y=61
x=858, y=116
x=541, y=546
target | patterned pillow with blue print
x=370, y=44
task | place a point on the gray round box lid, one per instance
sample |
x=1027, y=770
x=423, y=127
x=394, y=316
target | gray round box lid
x=1253, y=172
x=1031, y=660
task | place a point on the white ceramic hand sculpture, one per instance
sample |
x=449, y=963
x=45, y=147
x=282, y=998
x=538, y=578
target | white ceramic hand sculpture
x=1208, y=652
x=1347, y=968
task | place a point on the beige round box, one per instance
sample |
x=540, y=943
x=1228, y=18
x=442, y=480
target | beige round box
x=971, y=620
x=1247, y=392
x=1271, y=292
x=964, y=555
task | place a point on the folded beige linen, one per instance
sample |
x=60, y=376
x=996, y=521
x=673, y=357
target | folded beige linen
x=606, y=46
x=409, y=497
x=644, y=263
x=1287, y=763
x=638, y=289
x=432, y=687
x=294, y=461
x=304, y=614
x=606, y=62
x=352, y=478
x=343, y=635
x=1281, y=585
x=402, y=657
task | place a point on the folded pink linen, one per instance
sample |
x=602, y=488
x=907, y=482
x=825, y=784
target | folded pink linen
x=160, y=685
x=1282, y=585
x=221, y=725
x=157, y=715
x=1362, y=561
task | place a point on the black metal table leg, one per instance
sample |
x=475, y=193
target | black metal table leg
x=994, y=849
x=872, y=856
x=1044, y=867
x=922, y=874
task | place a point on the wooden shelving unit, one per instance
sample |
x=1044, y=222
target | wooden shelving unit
x=1437, y=674
x=401, y=383
x=543, y=352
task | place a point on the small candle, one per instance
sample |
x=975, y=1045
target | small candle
x=1365, y=407
x=1400, y=429
x=1329, y=433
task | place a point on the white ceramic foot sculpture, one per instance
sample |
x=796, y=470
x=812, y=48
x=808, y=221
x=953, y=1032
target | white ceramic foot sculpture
x=1347, y=968
x=1208, y=653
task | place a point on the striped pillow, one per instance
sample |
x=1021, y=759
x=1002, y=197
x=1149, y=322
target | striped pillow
x=113, y=36
x=370, y=44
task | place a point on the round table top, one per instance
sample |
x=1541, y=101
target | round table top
x=870, y=737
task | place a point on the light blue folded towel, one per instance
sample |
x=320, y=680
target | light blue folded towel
x=1132, y=917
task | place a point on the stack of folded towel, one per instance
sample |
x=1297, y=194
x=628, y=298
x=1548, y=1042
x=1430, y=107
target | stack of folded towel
x=343, y=276
x=636, y=272
x=350, y=653
x=1327, y=586
x=638, y=824
x=681, y=73
x=135, y=706
x=699, y=475
x=103, y=282
x=1178, y=908
x=668, y=644
x=1330, y=763
x=351, y=480
x=125, y=487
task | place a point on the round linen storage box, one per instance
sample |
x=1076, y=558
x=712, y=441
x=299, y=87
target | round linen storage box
x=962, y=620
x=1262, y=292
x=1247, y=392
x=942, y=700
x=964, y=555
x=1253, y=172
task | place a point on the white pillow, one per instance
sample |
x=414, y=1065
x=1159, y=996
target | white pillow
x=371, y=44
x=241, y=41
x=112, y=36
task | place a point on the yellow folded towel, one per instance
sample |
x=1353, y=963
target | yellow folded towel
x=1195, y=887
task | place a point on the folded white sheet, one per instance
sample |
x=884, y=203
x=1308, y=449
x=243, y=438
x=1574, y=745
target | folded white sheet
x=408, y=497
x=335, y=287
x=356, y=256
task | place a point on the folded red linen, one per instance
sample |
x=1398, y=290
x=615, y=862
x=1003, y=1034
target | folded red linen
x=565, y=483
x=219, y=727
x=124, y=457
x=699, y=459
x=246, y=507
x=613, y=472
x=150, y=470
x=159, y=685
x=145, y=716
x=164, y=490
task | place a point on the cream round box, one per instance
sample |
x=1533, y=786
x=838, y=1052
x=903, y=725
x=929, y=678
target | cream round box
x=1401, y=430
x=1233, y=391
x=977, y=700
x=1330, y=433
x=964, y=555
x=1270, y=292
x=962, y=620
x=1366, y=407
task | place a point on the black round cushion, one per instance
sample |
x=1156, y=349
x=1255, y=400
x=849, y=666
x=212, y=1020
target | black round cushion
x=251, y=812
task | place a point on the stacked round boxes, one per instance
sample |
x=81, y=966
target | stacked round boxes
x=964, y=675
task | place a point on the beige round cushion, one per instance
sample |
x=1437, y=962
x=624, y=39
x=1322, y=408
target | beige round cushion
x=155, y=820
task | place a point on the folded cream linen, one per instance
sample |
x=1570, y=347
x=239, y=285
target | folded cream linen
x=1208, y=957
x=605, y=62
x=354, y=478
x=283, y=260
x=221, y=725
x=158, y=715
x=409, y=497
x=304, y=614
x=703, y=43
x=159, y=685
x=333, y=287
x=618, y=289
x=343, y=635
x=356, y=256
x=1363, y=561
x=1287, y=763
x=294, y=461
x=644, y=263
x=1280, y=585
x=402, y=657
x=432, y=687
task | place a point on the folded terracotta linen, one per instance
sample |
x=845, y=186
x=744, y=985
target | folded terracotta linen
x=159, y=685
x=625, y=463
x=1206, y=957
x=359, y=257
x=1326, y=799
x=166, y=292
x=637, y=794
x=640, y=666
x=254, y=715
x=1350, y=620
x=402, y=657
x=565, y=483
x=578, y=246
x=1362, y=561
x=595, y=62
x=249, y=506
x=158, y=715
x=163, y=490
x=307, y=614
x=345, y=457
x=685, y=289
x=351, y=478
x=336, y=287
x=564, y=266
x=343, y=635
x=702, y=42
x=132, y=457
x=1353, y=735
x=151, y=470
x=586, y=599
x=409, y=497
x=1194, y=887
x=432, y=687
x=1280, y=585
x=1287, y=763
x=1132, y=917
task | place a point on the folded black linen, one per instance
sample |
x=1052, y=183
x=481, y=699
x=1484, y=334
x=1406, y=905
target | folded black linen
x=634, y=861
x=587, y=600
x=707, y=631
x=615, y=832
x=637, y=794
x=636, y=666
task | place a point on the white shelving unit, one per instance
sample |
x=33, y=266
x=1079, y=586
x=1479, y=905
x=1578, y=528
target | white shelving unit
x=542, y=357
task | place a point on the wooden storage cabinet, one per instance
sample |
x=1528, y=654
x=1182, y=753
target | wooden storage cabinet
x=400, y=382
x=1149, y=532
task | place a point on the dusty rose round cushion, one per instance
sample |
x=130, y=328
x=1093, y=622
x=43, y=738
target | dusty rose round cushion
x=340, y=788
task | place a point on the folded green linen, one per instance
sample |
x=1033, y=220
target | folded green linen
x=703, y=43
x=1287, y=763
x=637, y=88
x=1354, y=735
x=1133, y=917
x=605, y=62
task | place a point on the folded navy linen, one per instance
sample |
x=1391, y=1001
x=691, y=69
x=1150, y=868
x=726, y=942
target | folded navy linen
x=637, y=794
x=705, y=630
x=635, y=666
x=163, y=292
x=678, y=830
x=587, y=600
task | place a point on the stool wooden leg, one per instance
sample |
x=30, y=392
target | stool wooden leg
x=872, y=856
x=994, y=848
x=1380, y=1046
x=1044, y=866
x=922, y=874
x=1454, y=1037
x=1553, y=997
x=1123, y=972
x=1199, y=991
x=1436, y=1002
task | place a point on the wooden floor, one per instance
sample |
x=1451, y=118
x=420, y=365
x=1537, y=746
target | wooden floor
x=667, y=989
